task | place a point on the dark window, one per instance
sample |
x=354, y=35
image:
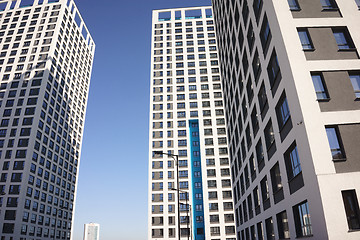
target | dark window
x=276, y=178
x=257, y=5
x=302, y=220
x=273, y=69
x=305, y=39
x=270, y=235
x=265, y=34
x=283, y=225
x=351, y=209
x=282, y=111
x=319, y=86
x=335, y=143
x=292, y=162
x=269, y=135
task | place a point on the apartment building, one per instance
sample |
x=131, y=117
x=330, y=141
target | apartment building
x=46, y=55
x=291, y=83
x=187, y=120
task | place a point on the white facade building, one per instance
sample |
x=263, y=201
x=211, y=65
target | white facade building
x=46, y=56
x=187, y=119
x=91, y=231
x=291, y=81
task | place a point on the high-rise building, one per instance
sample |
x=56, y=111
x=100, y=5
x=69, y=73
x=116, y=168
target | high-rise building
x=187, y=119
x=91, y=231
x=291, y=82
x=45, y=66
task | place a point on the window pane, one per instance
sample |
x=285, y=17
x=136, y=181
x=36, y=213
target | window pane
x=305, y=39
x=355, y=81
x=334, y=143
x=328, y=4
x=295, y=162
x=341, y=40
x=294, y=5
x=351, y=209
x=319, y=87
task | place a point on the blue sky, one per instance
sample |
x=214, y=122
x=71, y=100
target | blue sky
x=112, y=188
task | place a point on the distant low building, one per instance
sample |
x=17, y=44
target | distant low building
x=91, y=231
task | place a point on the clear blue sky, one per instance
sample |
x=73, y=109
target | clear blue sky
x=112, y=188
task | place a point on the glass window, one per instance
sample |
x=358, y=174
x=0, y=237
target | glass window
x=269, y=225
x=358, y=3
x=292, y=162
x=305, y=40
x=294, y=5
x=355, y=81
x=282, y=111
x=319, y=86
x=283, y=225
x=265, y=34
x=273, y=69
x=276, y=178
x=302, y=220
x=328, y=4
x=342, y=39
x=351, y=209
x=334, y=142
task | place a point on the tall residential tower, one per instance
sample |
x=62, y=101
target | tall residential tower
x=291, y=82
x=91, y=231
x=46, y=55
x=187, y=119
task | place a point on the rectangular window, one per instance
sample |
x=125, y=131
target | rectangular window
x=276, y=178
x=270, y=235
x=319, y=86
x=305, y=39
x=352, y=211
x=355, y=81
x=328, y=4
x=335, y=143
x=283, y=225
x=294, y=5
x=282, y=111
x=273, y=69
x=343, y=39
x=302, y=220
x=265, y=34
x=292, y=162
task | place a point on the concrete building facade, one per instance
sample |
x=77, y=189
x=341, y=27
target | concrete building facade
x=187, y=119
x=46, y=56
x=290, y=77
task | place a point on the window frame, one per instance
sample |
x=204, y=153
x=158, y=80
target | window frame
x=323, y=91
x=294, y=5
x=340, y=148
x=356, y=83
x=307, y=45
x=355, y=214
x=302, y=229
x=346, y=43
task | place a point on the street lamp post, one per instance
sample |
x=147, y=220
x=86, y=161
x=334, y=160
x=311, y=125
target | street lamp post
x=187, y=210
x=176, y=159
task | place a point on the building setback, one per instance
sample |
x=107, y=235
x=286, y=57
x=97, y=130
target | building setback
x=187, y=119
x=291, y=82
x=46, y=60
